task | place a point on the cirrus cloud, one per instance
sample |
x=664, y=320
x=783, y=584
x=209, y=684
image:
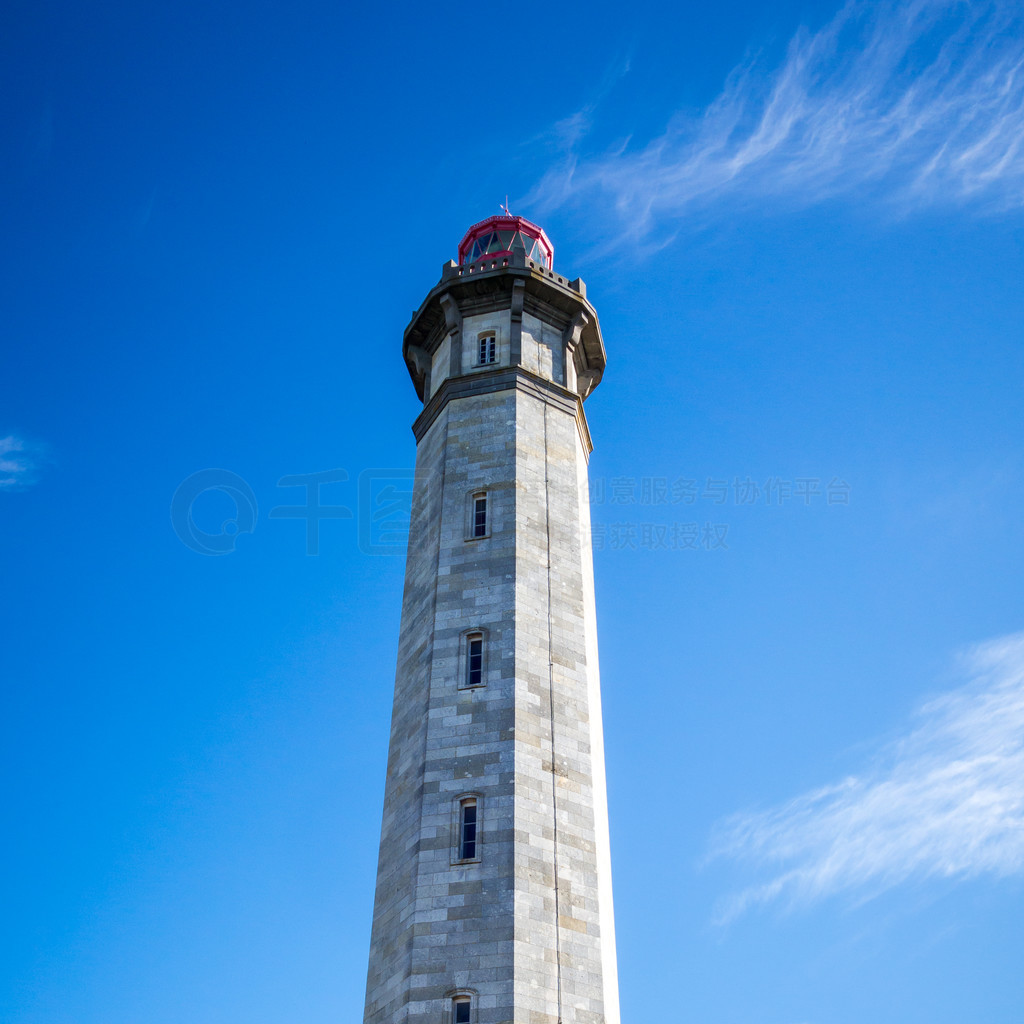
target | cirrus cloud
x=945, y=801
x=922, y=101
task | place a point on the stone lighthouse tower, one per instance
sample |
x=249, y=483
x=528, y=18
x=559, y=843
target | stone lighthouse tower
x=494, y=895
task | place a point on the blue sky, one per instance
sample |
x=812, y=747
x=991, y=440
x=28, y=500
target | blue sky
x=801, y=225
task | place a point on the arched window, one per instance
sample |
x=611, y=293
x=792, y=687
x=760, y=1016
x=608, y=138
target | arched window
x=479, y=513
x=486, y=348
x=472, y=663
x=475, y=659
x=468, y=823
x=461, y=1007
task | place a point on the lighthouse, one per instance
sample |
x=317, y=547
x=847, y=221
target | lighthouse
x=493, y=894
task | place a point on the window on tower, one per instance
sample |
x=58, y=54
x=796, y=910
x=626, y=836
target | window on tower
x=472, y=663
x=467, y=838
x=460, y=1010
x=467, y=816
x=480, y=514
x=474, y=659
x=486, y=349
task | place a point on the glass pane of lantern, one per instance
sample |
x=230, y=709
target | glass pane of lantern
x=506, y=238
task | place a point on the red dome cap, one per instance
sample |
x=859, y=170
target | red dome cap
x=499, y=235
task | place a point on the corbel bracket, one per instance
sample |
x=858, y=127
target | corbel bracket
x=452, y=315
x=418, y=360
x=518, y=295
x=453, y=324
x=575, y=356
x=516, y=322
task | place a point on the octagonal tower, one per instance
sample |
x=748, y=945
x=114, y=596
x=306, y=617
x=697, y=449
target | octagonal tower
x=493, y=901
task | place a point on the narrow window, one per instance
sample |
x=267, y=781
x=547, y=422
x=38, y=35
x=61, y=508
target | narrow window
x=487, y=349
x=479, y=515
x=474, y=660
x=460, y=1010
x=467, y=844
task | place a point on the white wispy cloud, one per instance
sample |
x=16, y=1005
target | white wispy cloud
x=19, y=462
x=923, y=101
x=946, y=801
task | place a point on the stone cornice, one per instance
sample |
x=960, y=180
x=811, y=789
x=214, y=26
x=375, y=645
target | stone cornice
x=505, y=378
x=492, y=284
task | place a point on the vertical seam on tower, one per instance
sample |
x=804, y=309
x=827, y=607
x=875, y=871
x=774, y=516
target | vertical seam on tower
x=551, y=715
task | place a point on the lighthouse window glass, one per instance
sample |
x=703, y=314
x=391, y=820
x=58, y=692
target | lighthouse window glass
x=487, y=349
x=475, y=660
x=506, y=241
x=480, y=515
x=489, y=243
x=467, y=844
